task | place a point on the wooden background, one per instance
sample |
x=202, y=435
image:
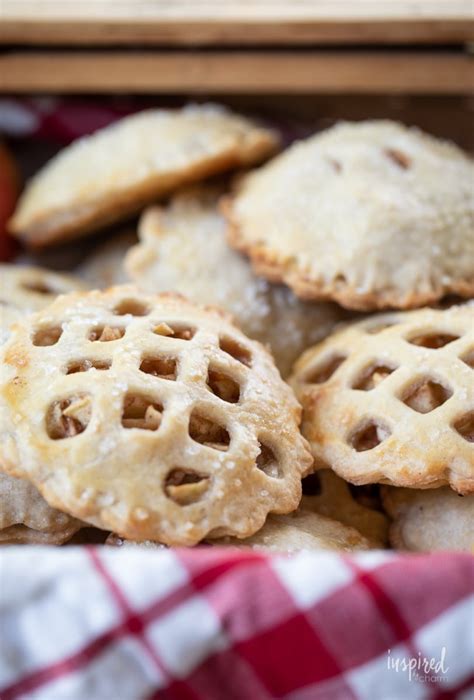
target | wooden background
x=230, y=22
x=249, y=46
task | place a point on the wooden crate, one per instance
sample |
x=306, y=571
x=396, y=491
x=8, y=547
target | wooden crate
x=313, y=61
x=249, y=46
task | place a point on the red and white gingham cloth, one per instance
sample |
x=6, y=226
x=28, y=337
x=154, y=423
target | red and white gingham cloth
x=85, y=623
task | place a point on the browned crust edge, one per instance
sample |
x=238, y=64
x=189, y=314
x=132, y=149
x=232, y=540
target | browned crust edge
x=268, y=264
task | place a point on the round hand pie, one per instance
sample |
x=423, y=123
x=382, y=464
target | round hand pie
x=183, y=248
x=324, y=492
x=430, y=520
x=149, y=416
x=25, y=517
x=102, y=178
x=285, y=533
x=391, y=399
x=372, y=215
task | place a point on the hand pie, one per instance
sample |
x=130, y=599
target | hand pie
x=149, y=416
x=370, y=214
x=104, y=177
x=324, y=492
x=104, y=266
x=183, y=248
x=284, y=533
x=27, y=289
x=25, y=517
x=430, y=520
x=391, y=399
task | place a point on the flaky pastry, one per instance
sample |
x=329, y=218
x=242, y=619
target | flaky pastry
x=149, y=416
x=391, y=399
x=101, y=178
x=373, y=215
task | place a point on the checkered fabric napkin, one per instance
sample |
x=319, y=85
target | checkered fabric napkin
x=85, y=623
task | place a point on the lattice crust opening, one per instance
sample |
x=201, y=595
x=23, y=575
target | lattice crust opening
x=465, y=426
x=175, y=427
x=468, y=358
x=391, y=399
x=68, y=417
x=87, y=364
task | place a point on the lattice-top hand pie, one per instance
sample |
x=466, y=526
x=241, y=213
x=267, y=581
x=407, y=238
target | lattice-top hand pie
x=26, y=518
x=183, y=248
x=27, y=289
x=101, y=178
x=430, y=520
x=391, y=399
x=149, y=416
x=372, y=215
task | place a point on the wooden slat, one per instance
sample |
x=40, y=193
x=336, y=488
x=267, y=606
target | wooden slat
x=237, y=72
x=236, y=22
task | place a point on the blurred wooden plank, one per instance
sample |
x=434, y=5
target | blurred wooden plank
x=229, y=22
x=237, y=72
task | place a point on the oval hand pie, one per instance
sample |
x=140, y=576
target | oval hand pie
x=149, y=416
x=104, y=177
x=372, y=215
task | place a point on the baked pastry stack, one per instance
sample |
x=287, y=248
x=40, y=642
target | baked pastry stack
x=154, y=417
x=391, y=400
